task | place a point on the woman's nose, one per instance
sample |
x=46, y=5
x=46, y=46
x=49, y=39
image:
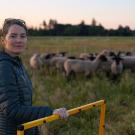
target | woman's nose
x=18, y=39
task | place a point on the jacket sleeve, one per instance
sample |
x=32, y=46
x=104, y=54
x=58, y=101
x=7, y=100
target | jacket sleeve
x=9, y=100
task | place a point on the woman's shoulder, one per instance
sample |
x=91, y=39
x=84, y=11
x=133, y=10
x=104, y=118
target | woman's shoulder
x=6, y=59
x=4, y=56
x=6, y=63
x=6, y=67
x=7, y=71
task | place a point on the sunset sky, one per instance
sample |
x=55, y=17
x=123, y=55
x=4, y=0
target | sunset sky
x=110, y=13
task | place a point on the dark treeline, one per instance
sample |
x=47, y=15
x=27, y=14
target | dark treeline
x=53, y=28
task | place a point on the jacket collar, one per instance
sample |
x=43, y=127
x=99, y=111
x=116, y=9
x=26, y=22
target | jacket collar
x=5, y=56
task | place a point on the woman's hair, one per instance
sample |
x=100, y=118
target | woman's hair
x=11, y=21
x=7, y=24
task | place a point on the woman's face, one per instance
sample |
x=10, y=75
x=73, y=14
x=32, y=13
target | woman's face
x=15, y=40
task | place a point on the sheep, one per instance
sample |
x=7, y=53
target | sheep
x=116, y=66
x=35, y=61
x=92, y=56
x=111, y=53
x=83, y=66
x=123, y=54
x=44, y=55
x=129, y=53
x=129, y=62
x=46, y=60
x=87, y=56
x=105, y=66
x=62, y=54
x=54, y=61
x=113, y=66
x=84, y=56
x=71, y=57
x=58, y=63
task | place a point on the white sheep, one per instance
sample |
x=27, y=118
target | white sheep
x=53, y=62
x=35, y=61
x=129, y=62
x=84, y=56
x=116, y=67
x=113, y=65
x=83, y=66
x=58, y=62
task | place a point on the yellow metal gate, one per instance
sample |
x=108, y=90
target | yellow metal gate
x=100, y=103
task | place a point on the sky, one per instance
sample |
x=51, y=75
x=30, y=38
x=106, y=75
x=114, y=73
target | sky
x=110, y=13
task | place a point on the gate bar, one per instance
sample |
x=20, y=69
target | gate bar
x=22, y=127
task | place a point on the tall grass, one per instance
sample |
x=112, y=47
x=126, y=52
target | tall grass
x=54, y=90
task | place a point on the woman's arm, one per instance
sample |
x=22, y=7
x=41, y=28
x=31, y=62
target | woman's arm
x=9, y=99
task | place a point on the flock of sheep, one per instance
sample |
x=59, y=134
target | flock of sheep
x=86, y=63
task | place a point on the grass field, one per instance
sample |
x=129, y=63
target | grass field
x=54, y=90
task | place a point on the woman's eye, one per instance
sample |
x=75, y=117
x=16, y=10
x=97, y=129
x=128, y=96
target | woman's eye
x=23, y=36
x=12, y=36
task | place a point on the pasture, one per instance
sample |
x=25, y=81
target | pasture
x=52, y=89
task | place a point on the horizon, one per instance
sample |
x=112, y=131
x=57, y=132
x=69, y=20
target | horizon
x=110, y=13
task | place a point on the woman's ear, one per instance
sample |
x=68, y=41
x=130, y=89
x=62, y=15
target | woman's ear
x=2, y=41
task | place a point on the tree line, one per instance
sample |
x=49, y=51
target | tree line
x=53, y=28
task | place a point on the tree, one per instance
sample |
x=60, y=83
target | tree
x=83, y=29
x=52, y=23
x=94, y=22
x=82, y=23
x=44, y=25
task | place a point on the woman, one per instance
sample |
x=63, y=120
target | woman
x=15, y=85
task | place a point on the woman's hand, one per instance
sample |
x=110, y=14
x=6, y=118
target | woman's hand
x=62, y=112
